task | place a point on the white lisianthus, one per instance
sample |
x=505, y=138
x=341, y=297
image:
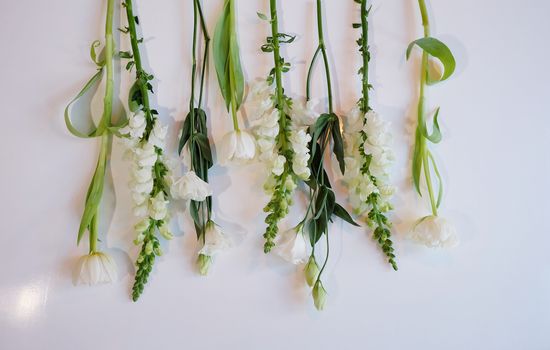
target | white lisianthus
x=97, y=268
x=237, y=146
x=158, y=208
x=291, y=245
x=303, y=114
x=214, y=240
x=434, y=231
x=191, y=187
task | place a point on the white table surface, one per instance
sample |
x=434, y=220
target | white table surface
x=492, y=292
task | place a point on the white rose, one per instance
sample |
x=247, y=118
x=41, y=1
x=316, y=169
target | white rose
x=434, y=231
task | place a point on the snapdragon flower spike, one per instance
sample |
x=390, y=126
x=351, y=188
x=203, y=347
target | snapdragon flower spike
x=368, y=155
x=282, y=143
x=145, y=139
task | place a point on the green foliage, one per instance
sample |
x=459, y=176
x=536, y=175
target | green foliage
x=226, y=57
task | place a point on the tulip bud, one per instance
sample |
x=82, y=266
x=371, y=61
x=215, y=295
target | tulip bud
x=319, y=296
x=311, y=271
x=203, y=264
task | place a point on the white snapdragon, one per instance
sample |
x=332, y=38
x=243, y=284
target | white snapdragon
x=304, y=114
x=291, y=245
x=96, y=268
x=377, y=146
x=434, y=231
x=158, y=207
x=191, y=187
x=299, y=138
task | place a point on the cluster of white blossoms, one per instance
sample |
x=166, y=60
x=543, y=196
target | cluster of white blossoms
x=261, y=104
x=357, y=125
x=434, y=232
x=144, y=155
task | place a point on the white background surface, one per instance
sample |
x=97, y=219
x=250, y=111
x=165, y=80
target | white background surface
x=492, y=292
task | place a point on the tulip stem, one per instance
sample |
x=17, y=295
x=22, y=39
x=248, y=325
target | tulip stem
x=422, y=108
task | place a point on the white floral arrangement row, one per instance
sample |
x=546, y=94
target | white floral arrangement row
x=288, y=136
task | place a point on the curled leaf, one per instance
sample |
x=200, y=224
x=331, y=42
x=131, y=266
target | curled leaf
x=441, y=52
x=435, y=137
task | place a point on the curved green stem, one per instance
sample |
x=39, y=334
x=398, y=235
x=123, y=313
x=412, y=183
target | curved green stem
x=310, y=72
x=324, y=53
x=206, y=50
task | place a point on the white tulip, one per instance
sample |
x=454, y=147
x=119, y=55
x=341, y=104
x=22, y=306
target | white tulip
x=237, y=146
x=292, y=246
x=96, y=268
x=434, y=231
x=214, y=240
x=191, y=187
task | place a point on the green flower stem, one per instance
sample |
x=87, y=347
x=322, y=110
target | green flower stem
x=278, y=71
x=109, y=53
x=141, y=74
x=422, y=108
x=193, y=73
x=320, y=48
x=206, y=49
x=364, y=50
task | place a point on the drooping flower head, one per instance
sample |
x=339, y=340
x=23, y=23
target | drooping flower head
x=96, y=268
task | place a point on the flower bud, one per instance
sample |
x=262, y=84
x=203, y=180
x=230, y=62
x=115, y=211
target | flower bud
x=149, y=248
x=164, y=231
x=319, y=296
x=142, y=226
x=311, y=271
x=203, y=264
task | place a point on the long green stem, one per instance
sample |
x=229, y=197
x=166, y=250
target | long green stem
x=99, y=173
x=324, y=53
x=365, y=54
x=109, y=54
x=232, y=87
x=278, y=71
x=206, y=50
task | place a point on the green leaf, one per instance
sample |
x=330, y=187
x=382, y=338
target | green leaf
x=204, y=144
x=338, y=144
x=439, y=50
x=185, y=132
x=68, y=120
x=318, y=129
x=262, y=16
x=435, y=137
x=340, y=212
x=135, y=98
x=98, y=60
x=226, y=57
